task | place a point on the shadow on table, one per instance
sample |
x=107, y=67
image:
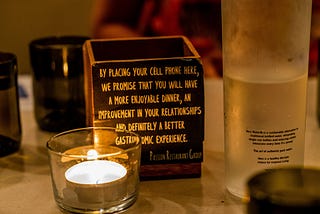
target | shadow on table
x=29, y=159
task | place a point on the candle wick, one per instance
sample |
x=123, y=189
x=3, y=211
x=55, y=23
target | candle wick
x=97, y=182
x=92, y=154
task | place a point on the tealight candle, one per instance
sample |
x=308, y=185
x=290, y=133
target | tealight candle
x=91, y=173
x=95, y=172
x=95, y=181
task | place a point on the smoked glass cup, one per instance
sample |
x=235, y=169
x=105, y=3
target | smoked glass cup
x=95, y=170
x=58, y=85
x=285, y=191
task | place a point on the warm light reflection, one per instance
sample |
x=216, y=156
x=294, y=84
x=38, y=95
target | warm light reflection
x=65, y=62
x=92, y=154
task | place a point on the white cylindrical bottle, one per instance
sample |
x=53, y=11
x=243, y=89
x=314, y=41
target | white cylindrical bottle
x=265, y=61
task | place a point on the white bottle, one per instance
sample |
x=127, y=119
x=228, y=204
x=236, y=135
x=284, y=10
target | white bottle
x=265, y=59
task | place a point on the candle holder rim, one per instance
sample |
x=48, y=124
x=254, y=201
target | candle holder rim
x=99, y=156
x=7, y=57
x=77, y=156
x=59, y=42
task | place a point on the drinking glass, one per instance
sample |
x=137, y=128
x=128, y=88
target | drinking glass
x=265, y=62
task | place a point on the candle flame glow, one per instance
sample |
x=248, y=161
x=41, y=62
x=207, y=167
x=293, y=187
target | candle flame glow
x=65, y=62
x=96, y=139
x=92, y=154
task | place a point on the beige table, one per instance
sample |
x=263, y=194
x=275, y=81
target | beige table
x=25, y=185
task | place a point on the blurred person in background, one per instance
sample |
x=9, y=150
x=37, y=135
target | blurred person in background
x=314, y=40
x=199, y=20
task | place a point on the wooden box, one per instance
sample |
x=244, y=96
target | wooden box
x=152, y=86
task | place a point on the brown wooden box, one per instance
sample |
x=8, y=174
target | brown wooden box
x=152, y=86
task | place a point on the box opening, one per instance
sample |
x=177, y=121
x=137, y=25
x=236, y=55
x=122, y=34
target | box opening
x=139, y=49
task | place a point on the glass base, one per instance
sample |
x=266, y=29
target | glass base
x=237, y=193
x=110, y=208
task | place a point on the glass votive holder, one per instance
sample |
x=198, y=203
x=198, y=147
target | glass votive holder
x=284, y=190
x=95, y=169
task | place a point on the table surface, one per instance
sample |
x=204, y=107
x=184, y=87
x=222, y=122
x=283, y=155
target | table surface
x=25, y=183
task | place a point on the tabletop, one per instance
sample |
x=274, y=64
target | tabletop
x=25, y=183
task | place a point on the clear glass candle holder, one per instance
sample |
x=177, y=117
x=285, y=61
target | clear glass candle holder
x=95, y=169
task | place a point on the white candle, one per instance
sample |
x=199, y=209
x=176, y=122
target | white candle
x=95, y=172
x=95, y=181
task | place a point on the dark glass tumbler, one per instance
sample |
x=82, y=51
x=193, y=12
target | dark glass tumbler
x=285, y=191
x=10, y=126
x=58, y=88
